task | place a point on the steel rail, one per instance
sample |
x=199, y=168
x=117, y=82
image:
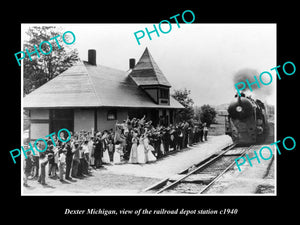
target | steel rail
x=196, y=169
x=224, y=171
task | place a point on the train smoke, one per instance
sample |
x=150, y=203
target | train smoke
x=247, y=73
x=244, y=74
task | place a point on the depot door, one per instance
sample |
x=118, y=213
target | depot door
x=61, y=118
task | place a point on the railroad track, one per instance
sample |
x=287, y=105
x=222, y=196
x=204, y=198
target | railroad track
x=197, y=179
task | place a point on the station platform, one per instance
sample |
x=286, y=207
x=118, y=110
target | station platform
x=173, y=163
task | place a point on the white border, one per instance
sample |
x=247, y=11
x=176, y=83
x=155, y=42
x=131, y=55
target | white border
x=141, y=195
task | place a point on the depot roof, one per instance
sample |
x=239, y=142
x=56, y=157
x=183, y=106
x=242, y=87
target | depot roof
x=86, y=85
x=146, y=72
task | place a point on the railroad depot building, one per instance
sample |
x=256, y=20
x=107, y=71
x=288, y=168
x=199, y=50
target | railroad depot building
x=88, y=96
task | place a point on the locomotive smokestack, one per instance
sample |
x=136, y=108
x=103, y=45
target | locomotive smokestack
x=131, y=63
x=92, y=57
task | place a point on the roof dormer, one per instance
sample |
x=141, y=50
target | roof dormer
x=147, y=75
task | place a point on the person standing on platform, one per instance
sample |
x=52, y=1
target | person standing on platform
x=166, y=138
x=98, y=151
x=185, y=134
x=105, y=158
x=43, y=162
x=176, y=138
x=133, y=151
x=62, y=163
x=69, y=159
x=180, y=137
x=91, y=151
x=36, y=165
x=76, y=160
x=28, y=162
x=141, y=156
x=196, y=136
x=120, y=142
x=205, y=130
x=110, y=149
x=117, y=154
x=148, y=149
x=172, y=138
x=85, y=166
x=128, y=137
x=81, y=161
x=201, y=132
x=190, y=136
x=51, y=162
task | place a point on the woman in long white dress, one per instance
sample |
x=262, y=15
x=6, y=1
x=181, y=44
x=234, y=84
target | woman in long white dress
x=117, y=154
x=105, y=157
x=141, y=156
x=148, y=150
x=162, y=148
x=91, y=151
x=133, y=151
x=118, y=146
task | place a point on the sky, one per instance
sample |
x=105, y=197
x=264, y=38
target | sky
x=200, y=57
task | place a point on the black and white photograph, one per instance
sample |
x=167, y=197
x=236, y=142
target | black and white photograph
x=124, y=112
x=129, y=109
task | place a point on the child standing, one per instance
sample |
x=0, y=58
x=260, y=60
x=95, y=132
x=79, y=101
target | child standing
x=110, y=149
x=51, y=165
x=62, y=163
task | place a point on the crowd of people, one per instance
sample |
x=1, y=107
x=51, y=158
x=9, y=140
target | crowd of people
x=134, y=141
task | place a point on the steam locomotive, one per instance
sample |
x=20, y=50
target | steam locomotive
x=247, y=121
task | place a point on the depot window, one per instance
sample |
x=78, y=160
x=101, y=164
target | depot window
x=164, y=93
x=112, y=115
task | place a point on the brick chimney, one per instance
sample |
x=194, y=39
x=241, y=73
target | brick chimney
x=131, y=63
x=92, y=57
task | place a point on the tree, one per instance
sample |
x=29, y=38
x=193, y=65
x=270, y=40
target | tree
x=182, y=96
x=207, y=114
x=44, y=68
x=197, y=112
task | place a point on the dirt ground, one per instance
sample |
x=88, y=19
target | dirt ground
x=98, y=182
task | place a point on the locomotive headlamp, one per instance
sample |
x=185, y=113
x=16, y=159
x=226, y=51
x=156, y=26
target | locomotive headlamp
x=239, y=108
